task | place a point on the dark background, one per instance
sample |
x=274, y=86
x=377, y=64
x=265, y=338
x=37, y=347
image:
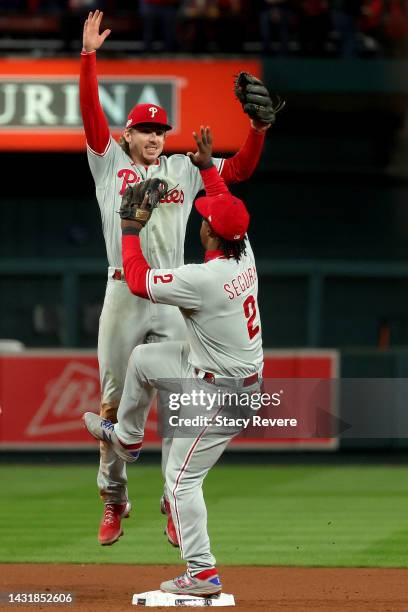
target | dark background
x=331, y=187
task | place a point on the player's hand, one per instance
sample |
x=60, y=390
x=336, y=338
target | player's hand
x=202, y=157
x=131, y=222
x=139, y=200
x=92, y=40
x=260, y=127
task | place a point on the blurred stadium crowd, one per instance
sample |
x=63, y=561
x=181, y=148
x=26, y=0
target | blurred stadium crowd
x=315, y=28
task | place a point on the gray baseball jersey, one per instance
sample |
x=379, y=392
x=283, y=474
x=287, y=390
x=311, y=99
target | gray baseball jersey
x=218, y=300
x=162, y=239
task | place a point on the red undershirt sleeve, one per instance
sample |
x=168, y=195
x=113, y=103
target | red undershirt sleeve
x=241, y=166
x=95, y=123
x=135, y=266
x=214, y=184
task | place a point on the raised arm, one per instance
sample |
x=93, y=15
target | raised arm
x=135, y=266
x=163, y=286
x=214, y=184
x=177, y=287
x=258, y=104
x=135, y=211
x=242, y=165
x=95, y=123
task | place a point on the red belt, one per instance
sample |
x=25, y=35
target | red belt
x=246, y=382
x=118, y=275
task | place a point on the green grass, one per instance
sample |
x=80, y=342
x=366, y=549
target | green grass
x=305, y=516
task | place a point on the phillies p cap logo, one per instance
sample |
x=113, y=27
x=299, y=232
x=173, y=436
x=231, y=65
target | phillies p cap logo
x=148, y=113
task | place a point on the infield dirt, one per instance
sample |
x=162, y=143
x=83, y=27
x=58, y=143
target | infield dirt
x=109, y=588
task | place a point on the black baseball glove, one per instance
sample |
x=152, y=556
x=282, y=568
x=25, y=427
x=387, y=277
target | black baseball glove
x=255, y=98
x=139, y=201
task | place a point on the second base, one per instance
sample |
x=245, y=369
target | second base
x=159, y=598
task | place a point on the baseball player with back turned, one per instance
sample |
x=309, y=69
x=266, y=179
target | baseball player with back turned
x=224, y=350
x=127, y=320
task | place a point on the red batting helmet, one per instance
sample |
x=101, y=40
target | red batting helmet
x=226, y=214
x=148, y=113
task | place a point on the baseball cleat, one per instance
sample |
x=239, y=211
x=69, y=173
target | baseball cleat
x=103, y=429
x=204, y=584
x=110, y=528
x=170, y=530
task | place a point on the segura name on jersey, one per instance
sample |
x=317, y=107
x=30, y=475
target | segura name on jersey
x=241, y=283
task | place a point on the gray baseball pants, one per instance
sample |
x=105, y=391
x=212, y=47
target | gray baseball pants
x=189, y=457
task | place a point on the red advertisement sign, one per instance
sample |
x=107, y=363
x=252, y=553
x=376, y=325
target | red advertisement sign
x=43, y=395
x=39, y=100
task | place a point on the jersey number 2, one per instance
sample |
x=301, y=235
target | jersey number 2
x=250, y=314
x=163, y=278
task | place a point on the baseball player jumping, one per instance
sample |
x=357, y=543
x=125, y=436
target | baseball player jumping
x=218, y=301
x=127, y=320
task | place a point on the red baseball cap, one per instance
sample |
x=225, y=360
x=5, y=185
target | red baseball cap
x=226, y=214
x=148, y=113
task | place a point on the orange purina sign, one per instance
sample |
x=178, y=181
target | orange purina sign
x=39, y=100
x=59, y=386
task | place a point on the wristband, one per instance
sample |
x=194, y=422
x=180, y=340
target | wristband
x=207, y=165
x=131, y=231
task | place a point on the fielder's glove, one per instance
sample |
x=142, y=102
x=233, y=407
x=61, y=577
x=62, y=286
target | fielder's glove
x=255, y=98
x=139, y=201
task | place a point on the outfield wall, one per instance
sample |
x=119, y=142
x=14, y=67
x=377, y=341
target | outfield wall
x=43, y=395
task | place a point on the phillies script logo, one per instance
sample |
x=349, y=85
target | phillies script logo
x=129, y=178
x=174, y=196
x=53, y=102
x=74, y=392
